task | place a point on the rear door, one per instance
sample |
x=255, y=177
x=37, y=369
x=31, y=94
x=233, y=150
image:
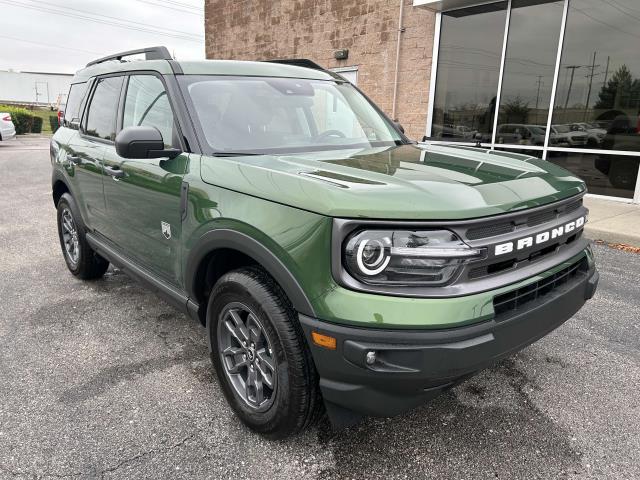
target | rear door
x=97, y=130
x=143, y=199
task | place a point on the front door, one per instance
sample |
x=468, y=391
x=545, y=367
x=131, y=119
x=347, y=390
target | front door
x=143, y=198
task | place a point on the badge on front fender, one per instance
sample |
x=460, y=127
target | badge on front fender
x=166, y=230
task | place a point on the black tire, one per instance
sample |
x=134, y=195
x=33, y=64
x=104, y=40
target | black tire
x=87, y=265
x=296, y=401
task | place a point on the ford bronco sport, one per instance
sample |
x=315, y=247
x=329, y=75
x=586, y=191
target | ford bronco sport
x=334, y=263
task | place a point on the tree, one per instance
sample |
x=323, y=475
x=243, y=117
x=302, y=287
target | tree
x=621, y=92
x=516, y=110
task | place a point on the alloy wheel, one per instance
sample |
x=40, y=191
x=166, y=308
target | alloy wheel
x=70, y=236
x=247, y=356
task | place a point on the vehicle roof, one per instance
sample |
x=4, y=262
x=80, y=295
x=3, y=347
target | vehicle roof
x=207, y=67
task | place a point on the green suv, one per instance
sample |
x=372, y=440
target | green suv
x=335, y=264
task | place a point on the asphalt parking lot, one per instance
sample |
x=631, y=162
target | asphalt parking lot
x=104, y=380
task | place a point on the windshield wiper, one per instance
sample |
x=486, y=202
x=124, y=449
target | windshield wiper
x=234, y=154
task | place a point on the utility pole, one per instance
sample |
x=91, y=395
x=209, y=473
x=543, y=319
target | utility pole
x=590, y=77
x=573, y=69
x=37, y=93
x=606, y=72
x=539, y=82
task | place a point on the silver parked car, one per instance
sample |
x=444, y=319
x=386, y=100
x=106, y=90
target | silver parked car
x=7, y=128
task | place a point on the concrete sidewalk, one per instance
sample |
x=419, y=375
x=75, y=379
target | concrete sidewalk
x=613, y=222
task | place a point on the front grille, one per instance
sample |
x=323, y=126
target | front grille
x=573, y=206
x=525, y=220
x=540, y=218
x=512, y=263
x=526, y=297
x=489, y=230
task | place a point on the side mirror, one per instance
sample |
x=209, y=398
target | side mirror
x=143, y=142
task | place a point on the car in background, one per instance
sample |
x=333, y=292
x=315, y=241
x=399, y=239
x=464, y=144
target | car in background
x=7, y=128
x=595, y=134
x=521, y=134
x=568, y=138
x=61, y=108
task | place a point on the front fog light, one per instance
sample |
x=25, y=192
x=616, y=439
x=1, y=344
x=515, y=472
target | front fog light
x=402, y=257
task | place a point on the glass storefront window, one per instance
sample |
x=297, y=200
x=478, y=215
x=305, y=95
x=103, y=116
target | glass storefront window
x=532, y=46
x=605, y=173
x=468, y=71
x=598, y=97
x=597, y=85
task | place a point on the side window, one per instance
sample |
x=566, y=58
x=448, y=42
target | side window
x=74, y=100
x=101, y=119
x=147, y=104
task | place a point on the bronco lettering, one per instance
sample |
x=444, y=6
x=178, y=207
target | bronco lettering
x=539, y=238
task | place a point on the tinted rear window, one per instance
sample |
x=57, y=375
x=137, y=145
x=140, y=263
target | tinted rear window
x=72, y=108
x=101, y=119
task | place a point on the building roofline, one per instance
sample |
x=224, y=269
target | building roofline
x=38, y=73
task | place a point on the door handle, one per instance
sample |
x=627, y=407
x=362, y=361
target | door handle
x=75, y=159
x=115, y=172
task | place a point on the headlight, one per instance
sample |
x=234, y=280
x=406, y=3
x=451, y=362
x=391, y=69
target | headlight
x=407, y=258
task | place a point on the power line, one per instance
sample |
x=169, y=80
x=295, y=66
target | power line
x=181, y=4
x=110, y=17
x=97, y=20
x=189, y=12
x=51, y=45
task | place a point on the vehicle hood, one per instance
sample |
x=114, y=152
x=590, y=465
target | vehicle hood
x=409, y=182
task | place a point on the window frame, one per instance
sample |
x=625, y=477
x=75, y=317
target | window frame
x=493, y=145
x=87, y=107
x=184, y=130
x=123, y=98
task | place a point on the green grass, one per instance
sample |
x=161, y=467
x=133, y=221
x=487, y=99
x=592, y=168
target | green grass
x=44, y=114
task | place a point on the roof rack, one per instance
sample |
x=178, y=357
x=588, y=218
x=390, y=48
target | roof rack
x=151, y=53
x=298, y=62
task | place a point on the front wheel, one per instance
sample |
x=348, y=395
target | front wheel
x=263, y=363
x=81, y=259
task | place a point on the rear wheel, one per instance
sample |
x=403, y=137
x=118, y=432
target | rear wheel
x=263, y=363
x=81, y=259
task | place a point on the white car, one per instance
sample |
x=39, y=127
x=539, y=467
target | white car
x=7, y=128
x=595, y=134
x=568, y=138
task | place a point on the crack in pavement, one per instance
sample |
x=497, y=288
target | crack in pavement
x=144, y=454
x=111, y=469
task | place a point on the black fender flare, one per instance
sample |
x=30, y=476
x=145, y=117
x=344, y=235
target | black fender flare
x=58, y=176
x=233, y=239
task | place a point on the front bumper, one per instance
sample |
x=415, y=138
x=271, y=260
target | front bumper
x=413, y=366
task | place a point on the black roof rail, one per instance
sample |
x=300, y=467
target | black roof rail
x=298, y=62
x=151, y=53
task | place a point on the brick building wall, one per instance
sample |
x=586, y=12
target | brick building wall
x=315, y=29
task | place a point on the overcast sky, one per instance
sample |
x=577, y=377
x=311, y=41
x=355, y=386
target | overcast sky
x=63, y=35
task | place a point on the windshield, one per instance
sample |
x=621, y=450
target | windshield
x=284, y=115
x=562, y=128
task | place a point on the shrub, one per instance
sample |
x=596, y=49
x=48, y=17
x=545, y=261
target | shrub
x=53, y=122
x=36, y=127
x=22, y=118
